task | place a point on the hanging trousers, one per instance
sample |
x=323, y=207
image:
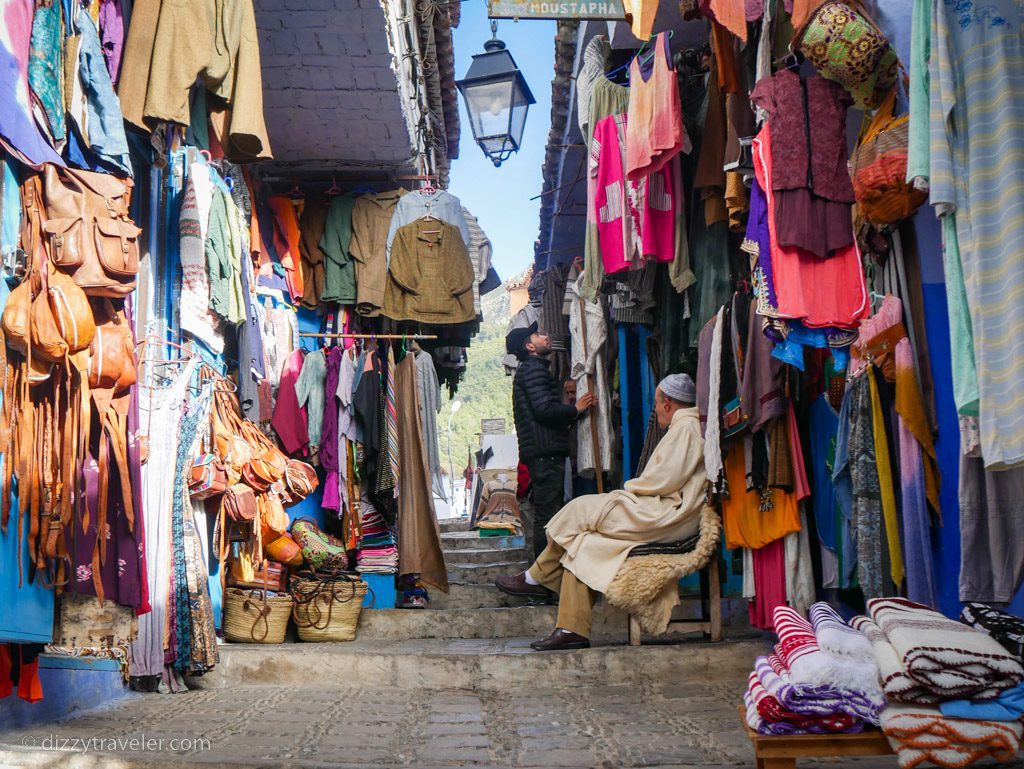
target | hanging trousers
x=575, y=599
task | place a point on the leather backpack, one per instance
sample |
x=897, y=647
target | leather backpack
x=88, y=232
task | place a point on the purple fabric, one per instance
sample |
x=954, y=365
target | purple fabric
x=112, y=36
x=120, y=574
x=18, y=129
x=757, y=231
x=815, y=700
x=329, y=436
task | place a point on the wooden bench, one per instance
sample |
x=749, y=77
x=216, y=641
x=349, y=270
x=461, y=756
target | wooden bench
x=782, y=751
x=710, y=622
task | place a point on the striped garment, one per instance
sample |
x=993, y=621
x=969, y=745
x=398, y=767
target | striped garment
x=391, y=418
x=977, y=171
x=820, y=700
x=949, y=659
x=897, y=685
x=837, y=638
x=772, y=711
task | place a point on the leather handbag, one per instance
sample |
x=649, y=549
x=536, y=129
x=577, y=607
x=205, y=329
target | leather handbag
x=300, y=480
x=844, y=45
x=240, y=503
x=112, y=352
x=273, y=518
x=207, y=478
x=71, y=312
x=88, y=231
x=878, y=168
x=284, y=550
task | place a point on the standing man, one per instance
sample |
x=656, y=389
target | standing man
x=542, y=424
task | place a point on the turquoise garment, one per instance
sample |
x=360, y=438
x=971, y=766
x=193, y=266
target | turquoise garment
x=339, y=269
x=46, y=67
x=919, y=129
x=10, y=209
x=977, y=171
x=961, y=339
x=310, y=389
x=106, y=123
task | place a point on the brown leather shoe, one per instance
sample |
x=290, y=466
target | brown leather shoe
x=516, y=584
x=561, y=639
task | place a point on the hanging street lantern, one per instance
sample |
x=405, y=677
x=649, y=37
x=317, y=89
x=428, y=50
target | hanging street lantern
x=497, y=99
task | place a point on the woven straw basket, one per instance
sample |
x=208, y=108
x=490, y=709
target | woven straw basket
x=327, y=607
x=251, y=616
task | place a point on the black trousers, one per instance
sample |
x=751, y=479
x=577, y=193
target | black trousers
x=547, y=476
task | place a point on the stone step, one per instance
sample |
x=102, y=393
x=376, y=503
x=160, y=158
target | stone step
x=482, y=573
x=482, y=665
x=401, y=624
x=472, y=597
x=489, y=556
x=471, y=540
x=453, y=524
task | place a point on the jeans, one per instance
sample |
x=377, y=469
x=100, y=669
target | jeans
x=547, y=475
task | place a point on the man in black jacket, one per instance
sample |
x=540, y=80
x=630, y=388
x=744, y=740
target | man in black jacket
x=543, y=422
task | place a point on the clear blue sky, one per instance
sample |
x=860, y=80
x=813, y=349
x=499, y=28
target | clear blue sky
x=500, y=197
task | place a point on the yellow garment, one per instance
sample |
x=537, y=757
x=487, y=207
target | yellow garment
x=892, y=527
x=642, y=14
x=746, y=525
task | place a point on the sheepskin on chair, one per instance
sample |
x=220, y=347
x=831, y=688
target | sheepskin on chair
x=647, y=586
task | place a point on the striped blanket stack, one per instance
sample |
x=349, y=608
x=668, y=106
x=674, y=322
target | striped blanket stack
x=821, y=678
x=955, y=693
x=944, y=692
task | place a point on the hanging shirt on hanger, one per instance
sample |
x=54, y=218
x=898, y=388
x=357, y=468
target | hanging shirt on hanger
x=418, y=203
x=371, y=220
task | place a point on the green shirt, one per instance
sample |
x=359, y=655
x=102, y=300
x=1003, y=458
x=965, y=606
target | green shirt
x=339, y=269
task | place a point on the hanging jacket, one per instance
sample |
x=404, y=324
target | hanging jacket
x=542, y=420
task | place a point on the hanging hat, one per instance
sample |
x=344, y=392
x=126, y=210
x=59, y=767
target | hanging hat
x=679, y=387
x=518, y=337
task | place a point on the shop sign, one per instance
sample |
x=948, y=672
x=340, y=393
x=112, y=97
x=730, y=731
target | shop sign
x=556, y=9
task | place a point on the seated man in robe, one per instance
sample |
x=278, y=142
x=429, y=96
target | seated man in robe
x=590, y=538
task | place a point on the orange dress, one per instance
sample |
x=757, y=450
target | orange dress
x=745, y=524
x=286, y=239
x=654, y=121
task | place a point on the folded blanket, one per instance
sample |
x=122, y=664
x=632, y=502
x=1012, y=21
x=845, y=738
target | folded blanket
x=810, y=666
x=820, y=700
x=949, y=658
x=1008, y=706
x=837, y=638
x=759, y=725
x=897, y=685
x=1005, y=628
x=923, y=734
x=771, y=711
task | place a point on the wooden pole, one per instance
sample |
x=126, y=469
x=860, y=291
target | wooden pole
x=598, y=469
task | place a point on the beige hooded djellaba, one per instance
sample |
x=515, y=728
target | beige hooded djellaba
x=662, y=504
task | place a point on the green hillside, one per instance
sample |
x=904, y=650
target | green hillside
x=485, y=393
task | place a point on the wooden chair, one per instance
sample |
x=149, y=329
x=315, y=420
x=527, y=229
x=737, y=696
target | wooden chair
x=782, y=751
x=710, y=622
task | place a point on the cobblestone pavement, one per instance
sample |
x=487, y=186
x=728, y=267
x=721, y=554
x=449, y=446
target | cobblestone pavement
x=602, y=727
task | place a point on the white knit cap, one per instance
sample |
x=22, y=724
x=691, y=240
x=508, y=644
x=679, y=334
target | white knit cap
x=679, y=387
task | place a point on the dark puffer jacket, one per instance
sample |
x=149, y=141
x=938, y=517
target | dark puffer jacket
x=542, y=420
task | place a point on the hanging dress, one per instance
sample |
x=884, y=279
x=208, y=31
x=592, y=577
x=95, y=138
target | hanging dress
x=654, y=133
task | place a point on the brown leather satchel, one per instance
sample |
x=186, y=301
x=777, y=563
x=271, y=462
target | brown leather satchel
x=300, y=480
x=240, y=503
x=88, y=231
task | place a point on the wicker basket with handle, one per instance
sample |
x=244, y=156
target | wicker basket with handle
x=251, y=616
x=327, y=606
